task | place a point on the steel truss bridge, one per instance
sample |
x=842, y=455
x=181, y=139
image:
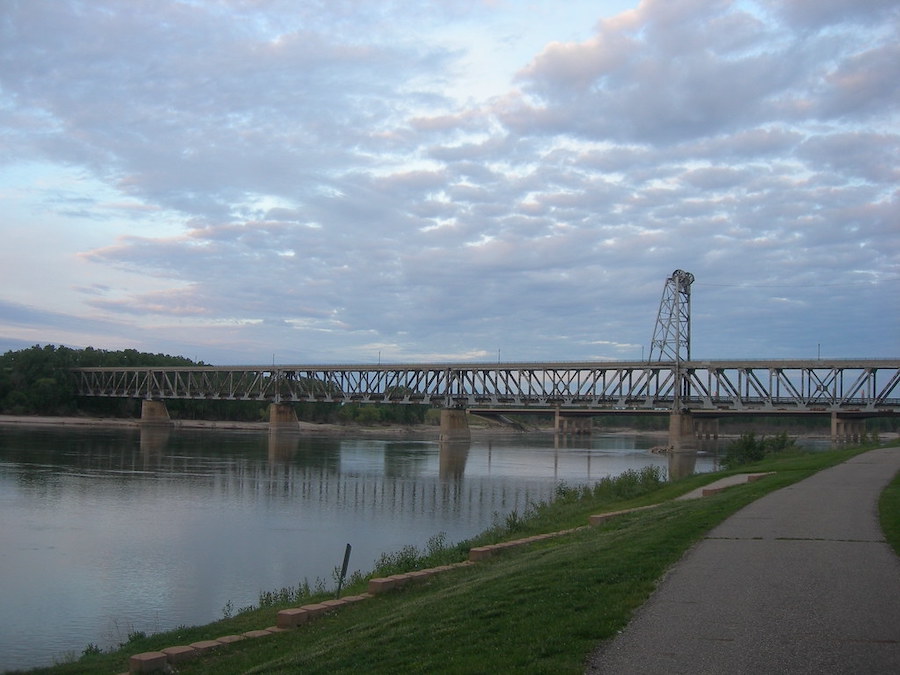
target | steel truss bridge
x=864, y=387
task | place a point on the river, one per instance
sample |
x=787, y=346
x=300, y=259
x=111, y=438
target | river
x=111, y=531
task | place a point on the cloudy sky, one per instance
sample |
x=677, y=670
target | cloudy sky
x=344, y=181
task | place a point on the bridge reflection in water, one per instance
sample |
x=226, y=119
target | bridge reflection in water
x=397, y=486
x=681, y=464
x=378, y=476
x=287, y=475
x=405, y=482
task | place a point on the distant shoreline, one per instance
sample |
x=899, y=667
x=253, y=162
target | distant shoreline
x=54, y=421
x=132, y=423
x=417, y=431
x=420, y=431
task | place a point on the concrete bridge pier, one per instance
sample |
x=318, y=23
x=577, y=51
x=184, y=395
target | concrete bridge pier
x=565, y=424
x=847, y=429
x=682, y=444
x=154, y=412
x=681, y=432
x=706, y=428
x=454, y=425
x=283, y=416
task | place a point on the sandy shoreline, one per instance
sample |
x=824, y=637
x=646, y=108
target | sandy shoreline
x=417, y=431
x=48, y=420
x=118, y=422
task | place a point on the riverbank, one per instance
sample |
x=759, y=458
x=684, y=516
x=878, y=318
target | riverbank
x=480, y=429
x=514, y=612
x=119, y=423
x=225, y=514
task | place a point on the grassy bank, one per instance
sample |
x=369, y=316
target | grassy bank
x=541, y=608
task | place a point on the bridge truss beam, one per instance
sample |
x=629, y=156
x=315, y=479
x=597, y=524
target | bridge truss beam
x=865, y=386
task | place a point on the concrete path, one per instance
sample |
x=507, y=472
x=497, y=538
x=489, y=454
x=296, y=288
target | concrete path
x=800, y=581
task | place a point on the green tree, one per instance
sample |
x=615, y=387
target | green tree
x=39, y=379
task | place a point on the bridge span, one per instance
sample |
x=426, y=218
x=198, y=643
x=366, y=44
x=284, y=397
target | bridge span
x=847, y=389
x=675, y=384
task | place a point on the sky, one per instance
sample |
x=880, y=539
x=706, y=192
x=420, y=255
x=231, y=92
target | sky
x=362, y=181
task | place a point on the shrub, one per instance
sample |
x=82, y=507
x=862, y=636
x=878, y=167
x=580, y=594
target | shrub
x=629, y=484
x=91, y=650
x=748, y=449
x=286, y=595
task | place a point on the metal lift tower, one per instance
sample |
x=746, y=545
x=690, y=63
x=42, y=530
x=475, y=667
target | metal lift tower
x=672, y=335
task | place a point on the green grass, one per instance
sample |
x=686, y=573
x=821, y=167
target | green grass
x=889, y=513
x=541, y=608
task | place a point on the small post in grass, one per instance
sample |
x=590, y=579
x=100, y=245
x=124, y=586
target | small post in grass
x=343, y=571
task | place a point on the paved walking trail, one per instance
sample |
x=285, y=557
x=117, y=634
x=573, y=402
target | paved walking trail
x=800, y=581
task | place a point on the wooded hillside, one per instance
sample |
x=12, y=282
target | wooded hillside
x=39, y=381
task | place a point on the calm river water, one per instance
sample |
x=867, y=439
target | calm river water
x=109, y=531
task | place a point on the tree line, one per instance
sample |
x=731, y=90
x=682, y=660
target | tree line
x=39, y=381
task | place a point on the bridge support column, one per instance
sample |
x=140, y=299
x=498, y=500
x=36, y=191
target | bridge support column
x=847, y=430
x=706, y=428
x=681, y=432
x=154, y=412
x=454, y=425
x=566, y=424
x=282, y=416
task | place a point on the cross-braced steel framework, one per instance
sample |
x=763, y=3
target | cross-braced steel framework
x=672, y=334
x=864, y=386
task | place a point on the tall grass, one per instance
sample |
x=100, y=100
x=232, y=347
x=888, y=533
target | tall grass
x=556, y=513
x=571, y=505
x=889, y=513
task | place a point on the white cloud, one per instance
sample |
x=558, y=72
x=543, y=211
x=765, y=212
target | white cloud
x=324, y=180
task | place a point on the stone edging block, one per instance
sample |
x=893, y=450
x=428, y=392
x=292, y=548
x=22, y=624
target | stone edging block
x=148, y=662
x=384, y=584
x=179, y=654
x=753, y=477
x=484, y=552
x=291, y=618
x=316, y=609
x=229, y=639
x=206, y=645
x=256, y=633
